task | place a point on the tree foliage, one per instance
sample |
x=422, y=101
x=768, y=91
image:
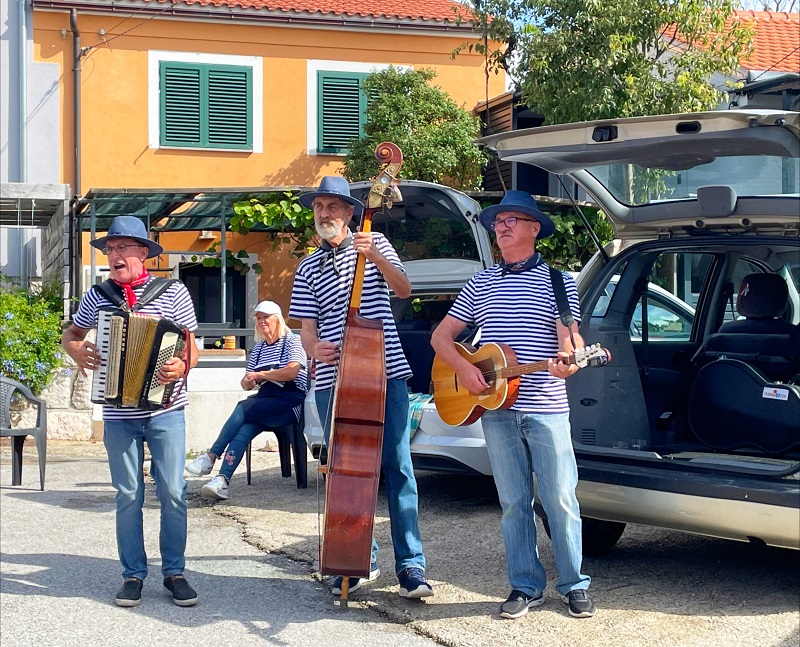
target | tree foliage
x=435, y=135
x=30, y=334
x=577, y=60
x=281, y=211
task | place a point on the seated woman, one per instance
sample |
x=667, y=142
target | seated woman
x=277, y=366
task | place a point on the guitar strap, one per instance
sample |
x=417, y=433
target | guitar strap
x=560, y=293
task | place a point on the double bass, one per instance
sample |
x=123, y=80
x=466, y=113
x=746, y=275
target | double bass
x=358, y=404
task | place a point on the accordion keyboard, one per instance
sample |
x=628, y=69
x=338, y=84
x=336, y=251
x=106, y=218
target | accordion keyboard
x=102, y=341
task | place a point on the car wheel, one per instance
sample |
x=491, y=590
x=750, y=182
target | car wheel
x=599, y=536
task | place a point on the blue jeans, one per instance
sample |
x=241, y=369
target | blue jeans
x=236, y=434
x=234, y=437
x=398, y=474
x=520, y=444
x=165, y=435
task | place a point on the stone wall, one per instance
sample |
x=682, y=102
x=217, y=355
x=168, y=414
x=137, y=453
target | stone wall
x=69, y=410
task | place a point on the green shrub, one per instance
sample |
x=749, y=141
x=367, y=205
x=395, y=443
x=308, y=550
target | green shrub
x=30, y=335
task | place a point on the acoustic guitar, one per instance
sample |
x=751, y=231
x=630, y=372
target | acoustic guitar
x=498, y=364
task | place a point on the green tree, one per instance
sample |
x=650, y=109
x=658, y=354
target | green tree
x=30, y=334
x=435, y=135
x=577, y=60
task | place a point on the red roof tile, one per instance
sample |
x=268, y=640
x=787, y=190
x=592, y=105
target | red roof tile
x=776, y=43
x=415, y=10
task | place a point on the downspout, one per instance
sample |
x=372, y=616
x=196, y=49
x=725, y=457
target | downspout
x=76, y=99
x=75, y=235
x=23, y=91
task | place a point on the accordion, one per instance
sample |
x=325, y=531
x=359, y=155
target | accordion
x=133, y=348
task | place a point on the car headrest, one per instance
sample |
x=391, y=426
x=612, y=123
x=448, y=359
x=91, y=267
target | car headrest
x=762, y=296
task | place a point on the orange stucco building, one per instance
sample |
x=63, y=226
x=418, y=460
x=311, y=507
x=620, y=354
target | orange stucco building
x=130, y=118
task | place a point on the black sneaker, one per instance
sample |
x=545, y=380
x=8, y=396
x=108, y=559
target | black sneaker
x=130, y=595
x=580, y=604
x=182, y=594
x=518, y=604
x=355, y=583
x=413, y=584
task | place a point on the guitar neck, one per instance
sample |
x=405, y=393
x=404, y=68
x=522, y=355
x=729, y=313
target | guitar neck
x=520, y=369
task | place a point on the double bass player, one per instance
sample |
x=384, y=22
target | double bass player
x=320, y=301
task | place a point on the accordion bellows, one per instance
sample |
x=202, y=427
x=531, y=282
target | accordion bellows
x=133, y=348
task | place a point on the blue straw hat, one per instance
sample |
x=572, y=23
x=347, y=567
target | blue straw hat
x=129, y=227
x=522, y=202
x=336, y=186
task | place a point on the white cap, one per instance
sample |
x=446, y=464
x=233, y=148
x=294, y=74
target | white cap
x=268, y=308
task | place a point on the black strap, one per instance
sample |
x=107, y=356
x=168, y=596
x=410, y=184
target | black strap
x=112, y=292
x=560, y=293
x=152, y=291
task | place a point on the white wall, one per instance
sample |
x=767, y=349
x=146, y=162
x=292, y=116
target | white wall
x=43, y=159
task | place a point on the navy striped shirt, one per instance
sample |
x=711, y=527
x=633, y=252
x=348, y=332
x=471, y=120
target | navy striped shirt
x=289, y=348
x=322, y=295
x=519, y=309
x=174, y=304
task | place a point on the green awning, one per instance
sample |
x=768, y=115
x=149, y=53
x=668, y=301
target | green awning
x=171, y=210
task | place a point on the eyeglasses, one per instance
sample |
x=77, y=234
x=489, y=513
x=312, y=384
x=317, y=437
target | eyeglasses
x=510, y=223
x=120, y=249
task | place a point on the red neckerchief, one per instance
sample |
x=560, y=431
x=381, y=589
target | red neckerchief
x=130, y=296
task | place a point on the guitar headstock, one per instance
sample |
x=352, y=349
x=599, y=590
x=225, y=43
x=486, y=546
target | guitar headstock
x=594, y=355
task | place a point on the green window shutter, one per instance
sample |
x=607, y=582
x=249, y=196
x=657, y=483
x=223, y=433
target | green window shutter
x=206, y=106
x=180, y=106
x=230, y=107
x=341, y=110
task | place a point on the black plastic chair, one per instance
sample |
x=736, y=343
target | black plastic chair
x=291, y=442
x=8, y=388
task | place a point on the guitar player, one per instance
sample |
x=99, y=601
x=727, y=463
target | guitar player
x=514, y=303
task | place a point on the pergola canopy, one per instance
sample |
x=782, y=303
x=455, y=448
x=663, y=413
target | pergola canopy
x=164, y=210
x=171, y=209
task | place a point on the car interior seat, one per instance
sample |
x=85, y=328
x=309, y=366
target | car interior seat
x=762, y=338
x=763, y=299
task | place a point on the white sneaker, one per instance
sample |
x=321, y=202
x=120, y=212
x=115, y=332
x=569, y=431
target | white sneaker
x=216, y=488
x=200, y=466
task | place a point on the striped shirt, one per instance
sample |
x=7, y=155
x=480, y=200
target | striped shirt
x=278, y=354
x=519, y=309
x=322, y=295
x=174, y=304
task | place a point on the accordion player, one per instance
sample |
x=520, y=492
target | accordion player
x=133, y=348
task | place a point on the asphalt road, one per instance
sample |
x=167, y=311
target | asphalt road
x=59, y=573
x=252, y=560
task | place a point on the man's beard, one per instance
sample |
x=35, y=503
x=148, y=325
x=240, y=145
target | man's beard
x=328, y=230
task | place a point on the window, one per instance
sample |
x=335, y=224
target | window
x=668, y=318
x=335, y=105
x=205, y=287
x=205, y=105
x=674, y=284
x=341, y=110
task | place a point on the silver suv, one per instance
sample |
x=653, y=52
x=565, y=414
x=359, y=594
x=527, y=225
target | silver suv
x=695, y=424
